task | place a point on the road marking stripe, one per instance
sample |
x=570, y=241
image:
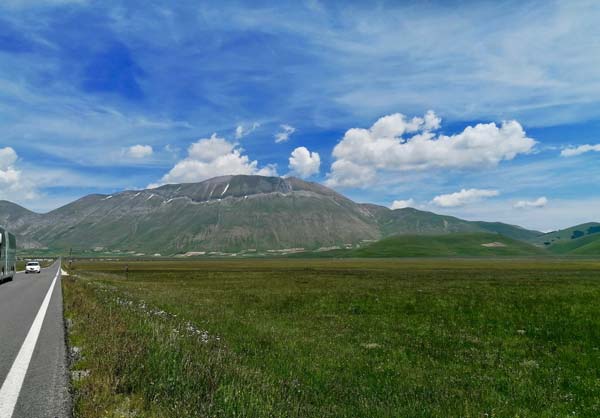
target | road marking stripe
x=9, y=393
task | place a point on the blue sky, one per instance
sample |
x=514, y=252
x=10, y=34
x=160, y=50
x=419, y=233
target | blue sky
x=101, y=96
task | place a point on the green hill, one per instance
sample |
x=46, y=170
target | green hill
x=588, y=245
x=590, y=248
x=411, y=221
x=447, y=245
x=511, y=231
x=582, y=239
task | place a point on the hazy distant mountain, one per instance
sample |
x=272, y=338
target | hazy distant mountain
x=230, y=213
x=19, y=220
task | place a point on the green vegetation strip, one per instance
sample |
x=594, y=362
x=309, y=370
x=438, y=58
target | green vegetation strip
x=449, y=245
x=336, y=338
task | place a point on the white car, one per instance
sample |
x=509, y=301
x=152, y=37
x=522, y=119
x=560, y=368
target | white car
x=33, y=267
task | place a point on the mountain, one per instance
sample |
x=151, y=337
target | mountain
x=582, y=239
x=18, y=219
x=228, y=214
x=448, y=245
x=413, y=221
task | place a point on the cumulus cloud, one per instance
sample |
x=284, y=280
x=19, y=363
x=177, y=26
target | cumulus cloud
x=242, y=130
x=9, y=176
x=537, y=203
x=464, y=197
x=12, y=183
x=285, y=133
x=582, y=149
x=401, y=204
x=211, y=157
x=304, y=163
x=395, y=143
x=345, y=173
x=139, y=151
x=8, y=157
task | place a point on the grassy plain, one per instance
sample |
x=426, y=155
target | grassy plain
x=337, y=338
x=448, y=245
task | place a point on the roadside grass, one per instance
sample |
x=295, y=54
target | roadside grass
x=337, y=338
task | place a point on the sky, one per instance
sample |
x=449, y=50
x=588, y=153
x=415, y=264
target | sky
x=481, y=110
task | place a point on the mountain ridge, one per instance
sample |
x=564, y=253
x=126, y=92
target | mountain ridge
x=230, y=214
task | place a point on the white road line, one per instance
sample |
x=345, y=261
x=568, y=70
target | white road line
x=9, y=393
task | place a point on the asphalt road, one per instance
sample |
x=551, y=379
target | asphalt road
x=33, y=357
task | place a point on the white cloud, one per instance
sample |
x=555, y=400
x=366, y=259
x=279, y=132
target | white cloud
x=401, y=204
x=241, y=130
x=387, y=147
x=140, y=151
x=582, y=149
x=211, y=157
x=395, y=125
x=8, y=157
x=537, y=203
x=12, y=184
x=348, y=174
x=464, y=197
x=285, y=133
x=304, y=163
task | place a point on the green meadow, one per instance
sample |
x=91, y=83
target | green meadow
x=336, y=338
x=448, y=245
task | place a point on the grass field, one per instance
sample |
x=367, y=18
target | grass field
x=448, y=245
x=337, y=338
